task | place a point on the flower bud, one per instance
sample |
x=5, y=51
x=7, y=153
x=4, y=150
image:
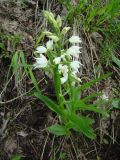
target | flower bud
x=50, y=18
x=47, y=33
x=54, y=38
x=48, y=15
x=59, y=21
x=49, y=45
x=65, y=30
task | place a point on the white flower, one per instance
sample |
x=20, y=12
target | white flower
x=57, y=60
x=49, y=45
x=64, y=79
x=73, y=51
x=75, y=39
x=41, y=62
x=75, y=65
x=63, y=69
x=41, y=49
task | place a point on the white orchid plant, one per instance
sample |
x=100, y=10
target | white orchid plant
x=62, y=64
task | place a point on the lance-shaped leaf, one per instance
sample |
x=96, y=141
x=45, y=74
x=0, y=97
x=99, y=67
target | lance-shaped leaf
x=58, y=130
x=80, y=105
x=83, y=125
x=50, y=104
x=88, y=84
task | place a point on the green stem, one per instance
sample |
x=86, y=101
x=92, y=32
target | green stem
x=71, y=89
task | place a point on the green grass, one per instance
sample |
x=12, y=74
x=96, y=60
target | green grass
x=8, y=44
x=94, y=16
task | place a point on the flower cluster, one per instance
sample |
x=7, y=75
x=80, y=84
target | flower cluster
x=41, y=61
x=65, y=62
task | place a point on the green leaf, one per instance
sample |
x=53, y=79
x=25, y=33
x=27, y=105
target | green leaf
x=14, y=62
x=116, y=103
x=116, y=60
x=39, y=39
x=58, y=130
x=15, y=67
x=88, y=84
x=23, y=61
x=34, y=81
x=80, y=105
x=93, y=95
x=16, y=157
x=2, y=46
x=75, y=94
x=82, y=124
x=50, y=104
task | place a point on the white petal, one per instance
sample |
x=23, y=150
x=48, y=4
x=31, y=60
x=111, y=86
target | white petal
x=74, y=51
x=41, y=62
x=57, y=60
x=63, y=69
x=75, y=39
x=75, y=65
x=64, y=79
x=41, y=49
x=49, y=45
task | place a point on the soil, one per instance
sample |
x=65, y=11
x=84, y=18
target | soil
x=23, y=120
